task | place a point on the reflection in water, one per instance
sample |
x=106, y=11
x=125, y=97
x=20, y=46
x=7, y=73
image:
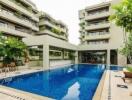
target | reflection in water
x=70, y=70
x=73, y=92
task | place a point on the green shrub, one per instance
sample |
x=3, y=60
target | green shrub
x=129, y=69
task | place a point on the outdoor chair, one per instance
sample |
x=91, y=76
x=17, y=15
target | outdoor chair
x=1, y=67
x=0, y=70
x=12, y=66
x=128, y=75
x=5, y=68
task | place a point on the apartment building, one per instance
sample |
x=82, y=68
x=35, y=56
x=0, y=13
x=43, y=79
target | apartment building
x=50, y=44
x=46, y=37
x=18, y=18
x=100, y=39
x=52, y=27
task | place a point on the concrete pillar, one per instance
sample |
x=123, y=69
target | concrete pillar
x=108, y=56
x=122, y=60
x=76, y=57
x=46, y=56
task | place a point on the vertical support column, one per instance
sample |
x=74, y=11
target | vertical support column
x=76, y=57
x=46, y=56
x=108, y=56
x=122, y=60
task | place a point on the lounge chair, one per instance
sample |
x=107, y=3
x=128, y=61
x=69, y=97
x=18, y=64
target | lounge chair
x=1, y=67
x=128, y=74
x=12, y=66
x=0, y=70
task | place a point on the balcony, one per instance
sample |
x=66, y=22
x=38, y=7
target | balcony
x=94, y=46
x=35, y=28
x=82, y=34
x=14, y=6
x=12, y=31
x=45, y=22
x=50, y=24
x=97, y=26
x=49, y=32
x=97, y=37
x=13, y=18
x=97, y=15
x=30, y=3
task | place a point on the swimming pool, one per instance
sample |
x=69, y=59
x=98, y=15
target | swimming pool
x=75, y=82
x=116, y=68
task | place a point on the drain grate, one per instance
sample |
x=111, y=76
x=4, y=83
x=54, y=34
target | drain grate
x=13, y=96
x=109, y=88
x=122, y=86
x=118, y=76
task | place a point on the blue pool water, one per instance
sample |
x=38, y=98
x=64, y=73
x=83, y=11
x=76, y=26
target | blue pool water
x=116, y=68
x=75, y=82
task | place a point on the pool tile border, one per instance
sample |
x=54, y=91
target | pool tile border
x=98, y=92
x=20, y=95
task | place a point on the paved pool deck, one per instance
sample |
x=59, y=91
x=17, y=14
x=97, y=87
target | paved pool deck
x=20, y=72
x=111, y=89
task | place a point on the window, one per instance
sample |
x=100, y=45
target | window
x=98, y=42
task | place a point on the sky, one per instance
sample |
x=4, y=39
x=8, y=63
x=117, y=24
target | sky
x=67, y=12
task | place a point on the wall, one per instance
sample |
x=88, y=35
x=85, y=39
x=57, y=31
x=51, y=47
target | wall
x=35, y=63
x=59, y=63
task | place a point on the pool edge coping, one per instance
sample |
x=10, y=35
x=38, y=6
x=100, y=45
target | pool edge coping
x=99, y=90
x=15, y=93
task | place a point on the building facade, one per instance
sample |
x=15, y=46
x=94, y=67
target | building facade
x=46, y=37
x=18, y=18
x=101, y=40
x=50, y=26
x=53, y=40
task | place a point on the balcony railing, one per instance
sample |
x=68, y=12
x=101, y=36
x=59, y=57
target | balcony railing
x=23, y=30
x=15, y=15
x=97, y=42
x=16, y=7
x=51, y=24
x=97, y=23
x=19, y=4
x=97, y=12
x=48, y=31
x=97, y=33
x=13, y=28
